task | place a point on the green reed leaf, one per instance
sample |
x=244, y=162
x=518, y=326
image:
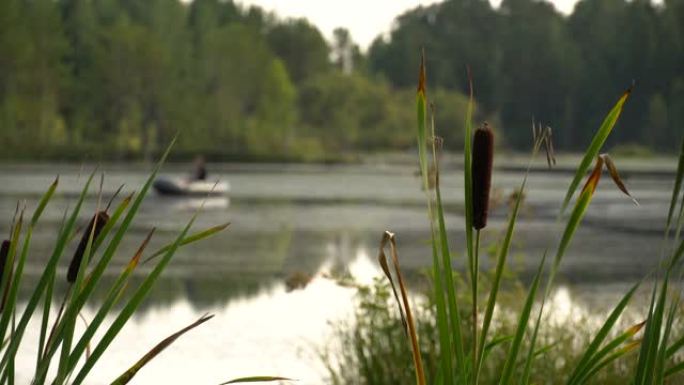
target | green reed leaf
x=511, y=359
x=192, y=238
x=589, y=356
x=126, y=377
x=594, y=147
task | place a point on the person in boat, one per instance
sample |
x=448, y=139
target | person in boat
x=200, y=170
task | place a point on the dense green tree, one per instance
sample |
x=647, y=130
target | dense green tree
x=301, y=47
x=350, y=111
x=455, y=34
x=538, y=71
x=31, y=45
x=657, y=125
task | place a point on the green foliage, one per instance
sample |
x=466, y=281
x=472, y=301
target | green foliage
x=351, y=111
x=117, y=79
x=529, y=60
x=372, y=348
x=301, y=46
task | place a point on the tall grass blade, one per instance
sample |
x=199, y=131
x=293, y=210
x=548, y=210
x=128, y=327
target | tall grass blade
x=498, y=273
x=576, y=217
x=572, y=225
x=640, y=370
x=113, y=296
x=75, y=277
x=503, y=251
x=192, y=238
x=445, y=332
x=454, y=311
x=676, y=189
x=661, y=358
x=130, y=307
x=44, y=201
x=467, y=170
x=126, y=377
x=610, y=348
x=646, y=369
x=48, y=271
x=594, y=147
x=588, y=358
x=512, y=357
x=616, y=355
x=81, y=297
x=47, y=305
x=674, y=369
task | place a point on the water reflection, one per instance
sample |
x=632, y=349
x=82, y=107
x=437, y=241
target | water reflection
x=179, y=204
x=260, y=327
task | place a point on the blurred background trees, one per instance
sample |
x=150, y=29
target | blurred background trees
x=115, y=79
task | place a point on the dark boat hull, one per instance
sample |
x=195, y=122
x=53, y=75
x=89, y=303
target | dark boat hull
x=174, y=187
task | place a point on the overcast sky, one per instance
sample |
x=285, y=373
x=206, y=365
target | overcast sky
x=365, y=19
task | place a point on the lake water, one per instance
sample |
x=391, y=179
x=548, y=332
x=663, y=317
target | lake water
x=317, y=221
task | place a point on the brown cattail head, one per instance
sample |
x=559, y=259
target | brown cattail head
x=99, y=221
x=4, y=253
x=483, y=155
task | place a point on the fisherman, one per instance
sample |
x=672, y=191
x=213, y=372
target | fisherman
x=200, y=170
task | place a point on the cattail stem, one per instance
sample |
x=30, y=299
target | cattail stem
x=475, y=273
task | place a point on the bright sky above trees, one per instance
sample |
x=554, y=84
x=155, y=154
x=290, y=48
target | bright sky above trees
x=365, y=19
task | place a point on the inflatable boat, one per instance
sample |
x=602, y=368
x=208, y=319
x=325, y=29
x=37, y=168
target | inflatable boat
x=184, y=187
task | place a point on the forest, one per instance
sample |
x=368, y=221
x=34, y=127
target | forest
x=117, y=79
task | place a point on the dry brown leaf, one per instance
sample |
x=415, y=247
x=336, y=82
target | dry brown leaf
x=610, y=165
x=382, y=258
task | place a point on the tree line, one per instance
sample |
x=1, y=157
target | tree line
x=116, y=79
x=529, y=61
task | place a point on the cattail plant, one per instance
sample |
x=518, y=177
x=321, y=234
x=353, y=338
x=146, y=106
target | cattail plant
x=656, y=356
x=481, y=174
x=97, y=223
x=483, y=154
x=87, y=243
x=95, y=226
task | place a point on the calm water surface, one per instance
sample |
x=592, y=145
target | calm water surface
x=317, y=221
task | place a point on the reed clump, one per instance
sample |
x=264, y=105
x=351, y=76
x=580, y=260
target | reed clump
x=64, y=355
x=522, y=348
